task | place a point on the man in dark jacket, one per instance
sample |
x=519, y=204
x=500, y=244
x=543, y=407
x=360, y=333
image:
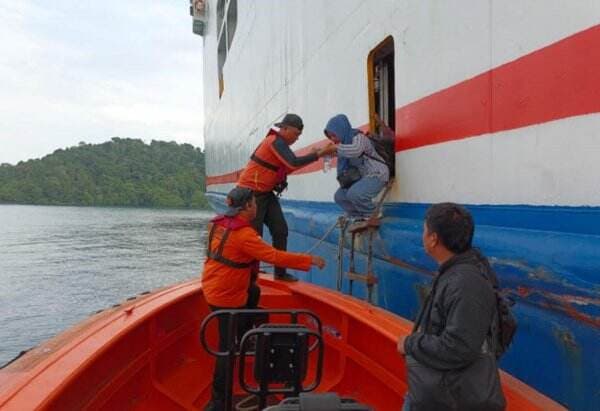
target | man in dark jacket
x=450, y=356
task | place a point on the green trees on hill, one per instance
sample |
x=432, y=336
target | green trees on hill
x=120, y=172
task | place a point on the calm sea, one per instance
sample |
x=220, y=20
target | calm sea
x=58, y=265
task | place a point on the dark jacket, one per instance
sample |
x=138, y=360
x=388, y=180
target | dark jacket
x=462, y=304
x=452, y=340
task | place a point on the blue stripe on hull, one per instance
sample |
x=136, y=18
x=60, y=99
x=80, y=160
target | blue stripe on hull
x=547, y=258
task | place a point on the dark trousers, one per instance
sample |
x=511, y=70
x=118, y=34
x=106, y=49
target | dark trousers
x=245, y=323
x=268, y=211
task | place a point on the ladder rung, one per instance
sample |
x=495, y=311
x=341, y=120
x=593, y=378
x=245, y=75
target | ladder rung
x=365, y=225
x=370, y=279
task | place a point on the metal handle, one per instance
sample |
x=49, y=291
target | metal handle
x=234, y=317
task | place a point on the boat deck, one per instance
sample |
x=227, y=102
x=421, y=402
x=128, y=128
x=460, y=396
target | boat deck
x=146, y=355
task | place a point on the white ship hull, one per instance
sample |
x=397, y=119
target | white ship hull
x=495, y=105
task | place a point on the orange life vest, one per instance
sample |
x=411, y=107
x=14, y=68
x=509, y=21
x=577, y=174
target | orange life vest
x=229, y=224
x=265, y=170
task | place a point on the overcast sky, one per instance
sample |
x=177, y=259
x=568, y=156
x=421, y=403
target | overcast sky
x=88, y=70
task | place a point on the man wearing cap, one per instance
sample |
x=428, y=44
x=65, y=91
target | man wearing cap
x=233, y=252
x=266, y=172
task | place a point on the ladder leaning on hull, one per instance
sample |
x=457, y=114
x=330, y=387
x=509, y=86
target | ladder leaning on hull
x=368, y=227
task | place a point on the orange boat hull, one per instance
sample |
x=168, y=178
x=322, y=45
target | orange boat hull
x=146, y=355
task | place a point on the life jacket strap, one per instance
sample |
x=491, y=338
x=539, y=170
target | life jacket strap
x=218, y=255
x=263, y=163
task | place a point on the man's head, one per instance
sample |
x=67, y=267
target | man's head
x=448, y=230
x=290, y=128
x=241, y=202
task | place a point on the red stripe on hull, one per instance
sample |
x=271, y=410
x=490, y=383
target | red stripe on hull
x=223, y=178
x=555, y=82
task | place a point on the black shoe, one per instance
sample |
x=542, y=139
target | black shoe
x=286, y=277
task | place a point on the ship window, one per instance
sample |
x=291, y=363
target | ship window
x=380, y=73
x=226, y=30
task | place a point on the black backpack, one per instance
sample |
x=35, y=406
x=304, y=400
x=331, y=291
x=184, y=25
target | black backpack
x=507, y=323
x=505, y=326
x=383, y=143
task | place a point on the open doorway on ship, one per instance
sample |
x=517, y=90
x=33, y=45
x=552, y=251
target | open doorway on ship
x=382, y=99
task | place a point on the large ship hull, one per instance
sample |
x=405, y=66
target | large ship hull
x=494, y=106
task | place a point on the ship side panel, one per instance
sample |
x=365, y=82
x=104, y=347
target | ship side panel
x=495, y=109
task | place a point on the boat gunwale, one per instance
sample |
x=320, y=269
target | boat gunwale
x=388, y=324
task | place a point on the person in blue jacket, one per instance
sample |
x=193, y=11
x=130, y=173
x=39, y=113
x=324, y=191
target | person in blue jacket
x=361, y=171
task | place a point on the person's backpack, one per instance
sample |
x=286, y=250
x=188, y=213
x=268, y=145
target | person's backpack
x=383, y=143
x=505, y=326
x=507, y=323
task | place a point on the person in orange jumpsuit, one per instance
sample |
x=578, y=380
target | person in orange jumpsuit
x=234, y=250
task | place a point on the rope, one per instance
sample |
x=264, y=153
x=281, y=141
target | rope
x=315, y=245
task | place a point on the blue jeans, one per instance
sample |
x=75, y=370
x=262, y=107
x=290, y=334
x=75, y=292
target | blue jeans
x=357, y=200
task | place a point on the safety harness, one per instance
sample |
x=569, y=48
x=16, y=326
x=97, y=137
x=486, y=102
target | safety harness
x=281, y=179
x=230, y=224
x=264, y=163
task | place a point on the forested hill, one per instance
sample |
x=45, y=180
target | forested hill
x=120, y=172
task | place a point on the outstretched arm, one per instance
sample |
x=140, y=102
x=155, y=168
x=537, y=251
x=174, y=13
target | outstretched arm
x=287, y=156
x=255, y=247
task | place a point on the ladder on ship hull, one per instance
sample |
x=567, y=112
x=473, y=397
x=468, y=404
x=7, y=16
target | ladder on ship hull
x=368, y=228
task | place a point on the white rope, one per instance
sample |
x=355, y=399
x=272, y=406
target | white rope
x=315, y=245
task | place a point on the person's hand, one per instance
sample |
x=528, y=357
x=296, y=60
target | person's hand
x=401, y=344
x=318, y=150
x=318, y=261
x=327, y=150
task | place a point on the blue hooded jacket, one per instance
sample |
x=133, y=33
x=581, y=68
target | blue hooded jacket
x=340, y=126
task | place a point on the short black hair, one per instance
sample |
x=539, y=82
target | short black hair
x=453, y=224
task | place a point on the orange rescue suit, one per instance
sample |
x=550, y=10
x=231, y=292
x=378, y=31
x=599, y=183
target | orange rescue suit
x=227, y=286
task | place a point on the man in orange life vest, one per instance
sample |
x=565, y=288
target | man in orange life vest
x=267, y=171
x=234, y=250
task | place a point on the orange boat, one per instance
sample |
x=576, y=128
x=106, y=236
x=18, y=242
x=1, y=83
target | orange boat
x=146, y=355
